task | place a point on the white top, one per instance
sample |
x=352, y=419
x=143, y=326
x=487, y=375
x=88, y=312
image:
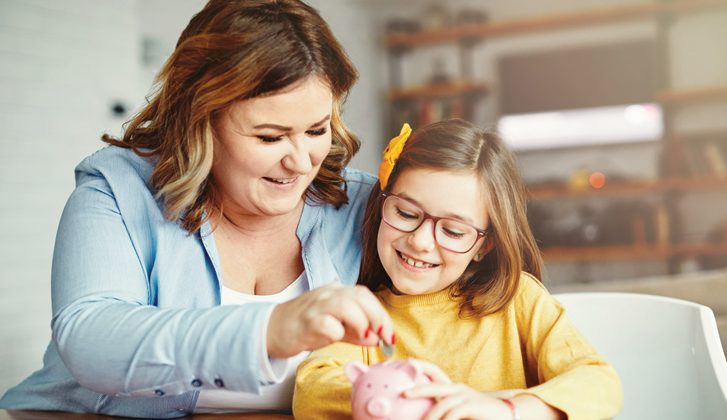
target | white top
x=279, y=373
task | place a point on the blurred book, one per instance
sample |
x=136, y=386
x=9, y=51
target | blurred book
x=715, y=159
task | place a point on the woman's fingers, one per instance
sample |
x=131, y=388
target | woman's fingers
x=378, y=319
x=324, y=315
x=358, y=311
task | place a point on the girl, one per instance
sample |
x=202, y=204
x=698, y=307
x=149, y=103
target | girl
x=448, y=251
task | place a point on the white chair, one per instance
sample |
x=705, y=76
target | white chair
x=666, y=351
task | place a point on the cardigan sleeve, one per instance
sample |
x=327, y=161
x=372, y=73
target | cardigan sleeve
x=322, y=390
x=110, y=334
x=572, y=376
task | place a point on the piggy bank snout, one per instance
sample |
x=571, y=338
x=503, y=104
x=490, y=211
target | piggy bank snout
x=378, y=407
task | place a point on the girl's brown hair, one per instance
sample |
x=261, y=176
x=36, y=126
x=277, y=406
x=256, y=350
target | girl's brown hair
x=230, y=51
x=487, y=286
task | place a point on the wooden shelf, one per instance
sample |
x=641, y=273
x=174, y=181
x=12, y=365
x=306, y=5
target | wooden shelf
x=683, y=96
x=635, y=252
x=476, y=31
x=437, y=90
x=626, y=188
x=716, y=134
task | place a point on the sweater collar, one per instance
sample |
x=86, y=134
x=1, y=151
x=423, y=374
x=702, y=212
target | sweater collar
x=441, y=297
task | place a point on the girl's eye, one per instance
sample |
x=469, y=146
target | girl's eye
x=319, y=132
x=452, y=233
x=270, y=139
x=405, y=215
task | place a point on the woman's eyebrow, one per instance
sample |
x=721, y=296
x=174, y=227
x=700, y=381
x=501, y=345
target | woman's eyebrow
x=285, y=128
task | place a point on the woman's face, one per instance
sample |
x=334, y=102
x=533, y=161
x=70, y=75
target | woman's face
x=269, y=149
x=414, y=261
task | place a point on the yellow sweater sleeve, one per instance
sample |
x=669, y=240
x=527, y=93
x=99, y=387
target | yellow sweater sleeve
x=322, y=390
x=572, y=376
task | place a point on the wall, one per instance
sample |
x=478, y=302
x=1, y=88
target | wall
x=63, y=65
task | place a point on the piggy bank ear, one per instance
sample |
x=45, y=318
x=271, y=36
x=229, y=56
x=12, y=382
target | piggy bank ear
x=412, y=368
x=354, y=370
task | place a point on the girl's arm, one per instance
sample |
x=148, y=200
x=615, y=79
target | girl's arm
x=573, y=377
x=322, y=389
x=574, y=380
x=460, y=401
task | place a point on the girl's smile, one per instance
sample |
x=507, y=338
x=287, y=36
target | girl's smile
x=414, y=260
x=413, y=264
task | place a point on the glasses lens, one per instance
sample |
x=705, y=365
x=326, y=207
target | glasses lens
x=401, y=214
x=454, y=235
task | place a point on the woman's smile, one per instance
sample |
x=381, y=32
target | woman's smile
x=284, y=184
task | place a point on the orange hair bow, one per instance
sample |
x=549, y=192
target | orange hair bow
x=391, y=154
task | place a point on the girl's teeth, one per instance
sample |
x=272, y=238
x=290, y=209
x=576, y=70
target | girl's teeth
x=418, y=264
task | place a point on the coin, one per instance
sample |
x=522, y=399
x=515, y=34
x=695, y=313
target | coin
x=386, y=349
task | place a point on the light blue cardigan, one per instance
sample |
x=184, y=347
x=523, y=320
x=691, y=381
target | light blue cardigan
x=137, y=325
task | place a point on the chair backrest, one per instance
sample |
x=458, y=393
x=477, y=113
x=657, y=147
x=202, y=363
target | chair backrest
x=666, y=351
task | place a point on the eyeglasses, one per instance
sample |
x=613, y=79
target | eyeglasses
x=451, y=234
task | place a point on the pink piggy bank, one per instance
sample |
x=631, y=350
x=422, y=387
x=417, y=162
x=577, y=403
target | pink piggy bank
x=377, y=390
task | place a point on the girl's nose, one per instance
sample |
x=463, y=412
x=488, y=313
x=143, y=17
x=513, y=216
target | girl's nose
x=422, y=239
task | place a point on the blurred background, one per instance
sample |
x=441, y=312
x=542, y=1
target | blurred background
x=617, y=110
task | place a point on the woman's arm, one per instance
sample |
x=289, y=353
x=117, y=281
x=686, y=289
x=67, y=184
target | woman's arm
x=110, y=336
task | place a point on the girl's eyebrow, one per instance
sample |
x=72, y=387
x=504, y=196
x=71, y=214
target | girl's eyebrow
x=286, y=129
x=447, y=215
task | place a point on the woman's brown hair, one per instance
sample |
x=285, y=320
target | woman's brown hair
x=487, y=286
x=230, y=51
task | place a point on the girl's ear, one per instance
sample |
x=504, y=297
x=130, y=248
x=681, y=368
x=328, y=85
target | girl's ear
x=485, y=249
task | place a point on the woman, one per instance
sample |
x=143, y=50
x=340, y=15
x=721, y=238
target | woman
x=185, y=255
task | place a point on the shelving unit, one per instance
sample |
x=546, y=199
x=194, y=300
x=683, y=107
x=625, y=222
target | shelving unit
x=691, y=162
x=687, y=96
x=632, y=252
x=631, y=188
x=438, y=90
x=488, y=30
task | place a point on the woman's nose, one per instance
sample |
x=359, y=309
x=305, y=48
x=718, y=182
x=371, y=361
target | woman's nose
x=422, y=239
x=298, y=158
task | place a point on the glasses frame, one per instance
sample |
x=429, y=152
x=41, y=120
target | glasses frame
x=481, y=233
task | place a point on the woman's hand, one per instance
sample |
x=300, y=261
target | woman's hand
x=325, y=315
x=458, y=401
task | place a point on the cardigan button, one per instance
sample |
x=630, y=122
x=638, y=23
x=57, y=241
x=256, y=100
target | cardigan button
x=159, y=392
x=196, y=383
x=219, y=383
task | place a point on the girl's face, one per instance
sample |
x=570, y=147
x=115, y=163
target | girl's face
x=269, y=149
x=416, y=263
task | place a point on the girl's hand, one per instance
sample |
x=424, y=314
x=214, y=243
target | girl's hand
x=434, y=372
x=326, y=315
x=458, y=401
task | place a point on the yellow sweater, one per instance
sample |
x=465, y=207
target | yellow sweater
x=530, y=344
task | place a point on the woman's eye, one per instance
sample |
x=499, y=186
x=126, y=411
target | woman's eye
x=405, y=215
x=319, y=132
x=270, y=139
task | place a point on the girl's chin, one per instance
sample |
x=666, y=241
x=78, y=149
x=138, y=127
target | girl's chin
x=403, y=289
